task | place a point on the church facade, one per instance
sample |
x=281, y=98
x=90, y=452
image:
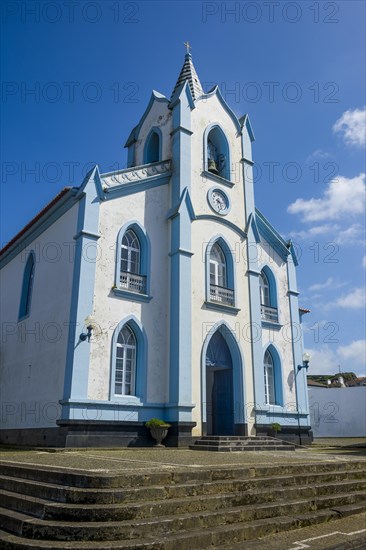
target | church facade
x=155, y=291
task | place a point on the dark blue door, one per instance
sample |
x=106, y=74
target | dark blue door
x=222, y=403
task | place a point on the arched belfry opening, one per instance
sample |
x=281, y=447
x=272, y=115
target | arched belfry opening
x=219, y=387
x=152, y=150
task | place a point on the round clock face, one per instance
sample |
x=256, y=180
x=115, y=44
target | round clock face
x=219, y=201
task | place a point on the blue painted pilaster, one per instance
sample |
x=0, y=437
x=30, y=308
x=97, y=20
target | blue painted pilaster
x=87, y=255
x=180, y=377
x=297, y=345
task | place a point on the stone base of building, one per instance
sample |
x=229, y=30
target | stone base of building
x=292, y=434
x=76, y=433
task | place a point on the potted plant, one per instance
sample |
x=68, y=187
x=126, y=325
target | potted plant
x=274, y=429
x=158, y=429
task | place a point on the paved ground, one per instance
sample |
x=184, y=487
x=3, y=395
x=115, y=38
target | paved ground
x=342, y=534
x=112, y=460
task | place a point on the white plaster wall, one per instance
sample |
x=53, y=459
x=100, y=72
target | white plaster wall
x=338, y=412
x=207, y=112
x=282, y=339
x=33, y=351
x=161, y=117
x=150, y=209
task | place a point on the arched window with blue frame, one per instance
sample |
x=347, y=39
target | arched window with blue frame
x=220, y=273
x=268, y=295
x=129, y=361
x=216, y=152
x=273, y=392
x=27, y=287
x=133, y=260
x=153, y=146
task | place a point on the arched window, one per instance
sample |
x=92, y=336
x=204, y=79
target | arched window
x=218, y=266
x=217, y=152
x=220, y=274
x=27, y=287
x=153, y=148
x=130, y=276
x=130, y=253
x=264, y=289
x=268, y=296
x=273, y=390
x=269, y=381
x=125, y=369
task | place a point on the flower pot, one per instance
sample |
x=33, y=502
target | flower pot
x=159, y=433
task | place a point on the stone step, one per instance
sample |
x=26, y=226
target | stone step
x=46, y=509
x=59, y=477
x=35, y=528
x=78, y=495
x=193, y=539
x=241, y=448
x=133, y=494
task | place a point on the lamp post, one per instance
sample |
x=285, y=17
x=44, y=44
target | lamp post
x=305, y=365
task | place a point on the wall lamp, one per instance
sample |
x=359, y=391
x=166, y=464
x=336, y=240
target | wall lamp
x=305, y=362
x=89, y=327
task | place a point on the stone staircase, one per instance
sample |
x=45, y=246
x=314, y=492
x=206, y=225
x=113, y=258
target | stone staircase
x=171, y=509
x=222, y=443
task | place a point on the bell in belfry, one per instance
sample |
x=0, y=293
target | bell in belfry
x=212, y=166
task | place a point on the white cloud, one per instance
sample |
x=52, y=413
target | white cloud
x=330, y=283
x=355, y=234
x=353, y=353
x=353, y=300
x=349, y=358
x=352, y=127
x=318, y=154
x=364, y=262
x=343, y=197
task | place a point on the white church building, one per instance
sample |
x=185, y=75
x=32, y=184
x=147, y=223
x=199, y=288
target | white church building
x=155, y=291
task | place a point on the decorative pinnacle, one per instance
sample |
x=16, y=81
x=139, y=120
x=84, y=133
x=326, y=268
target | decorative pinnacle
x=188, y=46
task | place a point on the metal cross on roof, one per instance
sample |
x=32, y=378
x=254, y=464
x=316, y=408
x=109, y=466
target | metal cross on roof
x=188, y=46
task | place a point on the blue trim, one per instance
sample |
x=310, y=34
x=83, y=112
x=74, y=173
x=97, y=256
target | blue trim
x=217, y=179
x=297, y=345
x=216, y=91
x=27, y=287
x=82, y=294
x=223, y=221
x=132, y=296
x=253, y=224
x=271, y=236
x=273, y=302
x=245, y=123
x=141, y=361
x=134, y=135
x=147, y=152
x=238, y=371
x=223, y=212
x=277, y=373
x=124, y=189
x=38, y=227
x=181, y=212
x=230, y=271
x=222, y=307
x=145, y=258
x=222, y=145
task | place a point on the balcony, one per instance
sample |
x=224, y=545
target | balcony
x=133, y=282
x=221, y=295
x=269, y=314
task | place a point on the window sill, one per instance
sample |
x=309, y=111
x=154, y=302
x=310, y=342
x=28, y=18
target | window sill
x=129, y=295
x=217, y=179
x=222, y=307
x=271, y=324
x=127, y=400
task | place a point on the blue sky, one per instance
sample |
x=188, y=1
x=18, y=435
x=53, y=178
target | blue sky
x=77, y=76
